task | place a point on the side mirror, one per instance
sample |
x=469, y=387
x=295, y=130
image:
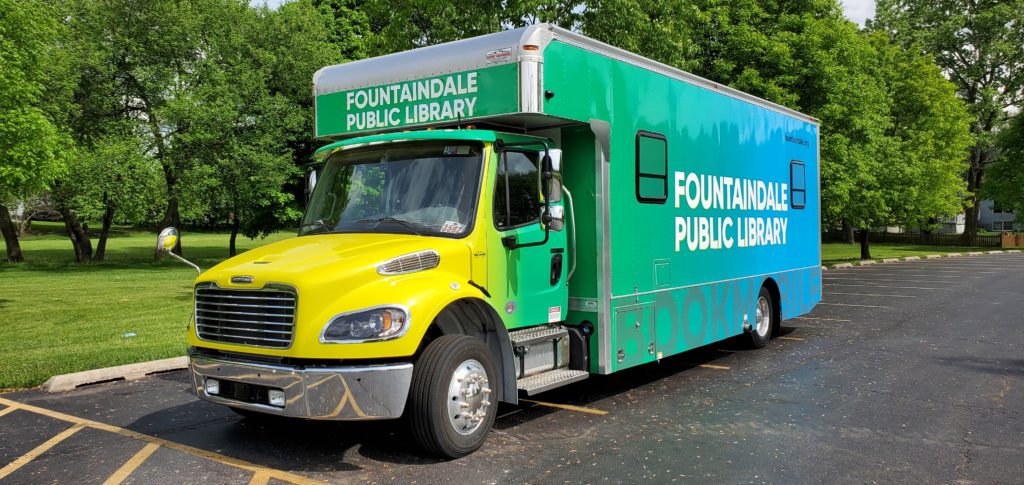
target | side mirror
x=556, y=159
x=167, y=239
x=312, y=181
x=552, y=176
x=557, y=218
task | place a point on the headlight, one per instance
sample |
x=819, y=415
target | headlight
x=381, y=323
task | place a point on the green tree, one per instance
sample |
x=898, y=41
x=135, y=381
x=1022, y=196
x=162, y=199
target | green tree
x=114, y=180
x=140, y=62
x=205, y=87
x=980, y=46
x=30, y=142
x=407, y=24
x=240, y=125
x=1005, y=184
x=930, y=126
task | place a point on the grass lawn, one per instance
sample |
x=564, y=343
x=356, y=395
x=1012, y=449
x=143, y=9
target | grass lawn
x=844, y=253
x=59, y=316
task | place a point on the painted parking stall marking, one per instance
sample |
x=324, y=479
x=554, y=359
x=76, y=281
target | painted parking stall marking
x=137, y=459
x=39, y=450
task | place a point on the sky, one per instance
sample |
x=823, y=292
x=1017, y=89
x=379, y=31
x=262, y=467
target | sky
x=859, y=10
x=856, y=10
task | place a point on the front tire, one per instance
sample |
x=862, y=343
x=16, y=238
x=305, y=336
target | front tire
x=764, y=319
x=450, y=401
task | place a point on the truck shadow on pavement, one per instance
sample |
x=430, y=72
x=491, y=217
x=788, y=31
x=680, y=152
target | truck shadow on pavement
x=330, y=446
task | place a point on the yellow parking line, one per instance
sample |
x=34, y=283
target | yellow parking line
x=39, y=450
x=7, y=410
x=132, y=463
x=210, y=455
x=567, y=407
x=818, y=318
x=790, y=338
x=259, y=478
x=714, y=366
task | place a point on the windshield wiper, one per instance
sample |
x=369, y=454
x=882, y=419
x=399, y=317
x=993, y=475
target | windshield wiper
x=402, y=222
x=315, y=227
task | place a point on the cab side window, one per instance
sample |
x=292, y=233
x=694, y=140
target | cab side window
x=518, y=203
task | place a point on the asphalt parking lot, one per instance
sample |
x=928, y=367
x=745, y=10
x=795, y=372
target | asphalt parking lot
x=908, y=372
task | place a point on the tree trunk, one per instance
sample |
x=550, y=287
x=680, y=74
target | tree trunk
x=108, y=220
x=10, y=236
x=79, y=238
x=24, y=225
x=865, y=252
x=848, y=236
x=971, y=222
x=234, y=234
x=975, y=175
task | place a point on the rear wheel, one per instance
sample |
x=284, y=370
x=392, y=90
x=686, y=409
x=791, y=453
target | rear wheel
x=453, y=384
x=764, y=319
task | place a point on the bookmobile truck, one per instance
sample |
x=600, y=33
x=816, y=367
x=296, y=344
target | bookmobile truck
x=504, y=215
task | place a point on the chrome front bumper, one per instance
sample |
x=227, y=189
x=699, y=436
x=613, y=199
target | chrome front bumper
x=336, y=393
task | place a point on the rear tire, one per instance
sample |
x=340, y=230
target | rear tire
x=450, y=401
x=764, y=319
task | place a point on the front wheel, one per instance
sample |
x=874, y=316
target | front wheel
x=451, y=402
x=764, y=319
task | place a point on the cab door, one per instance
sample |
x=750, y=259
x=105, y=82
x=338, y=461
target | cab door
x=532, y=286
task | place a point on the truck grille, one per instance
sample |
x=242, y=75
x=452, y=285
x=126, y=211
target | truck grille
x=263, y=318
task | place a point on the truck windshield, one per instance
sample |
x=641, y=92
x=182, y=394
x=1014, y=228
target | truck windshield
x=427, y=188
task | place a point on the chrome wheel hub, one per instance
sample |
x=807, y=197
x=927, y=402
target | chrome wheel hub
x=469, y=397
x=764, y=316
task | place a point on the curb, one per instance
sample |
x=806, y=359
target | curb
x=129, y=372
x=869, y=262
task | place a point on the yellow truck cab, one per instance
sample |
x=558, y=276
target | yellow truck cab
x=394, y=265
x=505, y=215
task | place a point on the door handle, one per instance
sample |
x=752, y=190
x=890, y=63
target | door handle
x=556, y=268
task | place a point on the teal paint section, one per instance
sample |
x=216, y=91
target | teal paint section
x=698, y=294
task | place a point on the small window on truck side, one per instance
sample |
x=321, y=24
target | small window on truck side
x=519, y=203
x=651, y=167
x=797, y=185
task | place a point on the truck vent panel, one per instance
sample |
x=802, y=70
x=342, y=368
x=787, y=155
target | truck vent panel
x=410, y=263
x=261, y=318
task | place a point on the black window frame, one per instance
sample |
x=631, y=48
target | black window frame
x=498, y=178
x=792, y=187
x=638, y=174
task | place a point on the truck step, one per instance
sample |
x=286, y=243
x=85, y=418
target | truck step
x=549, y=380
x=537, y=334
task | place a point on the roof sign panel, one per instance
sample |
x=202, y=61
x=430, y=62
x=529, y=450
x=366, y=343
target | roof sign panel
x=450, y=97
